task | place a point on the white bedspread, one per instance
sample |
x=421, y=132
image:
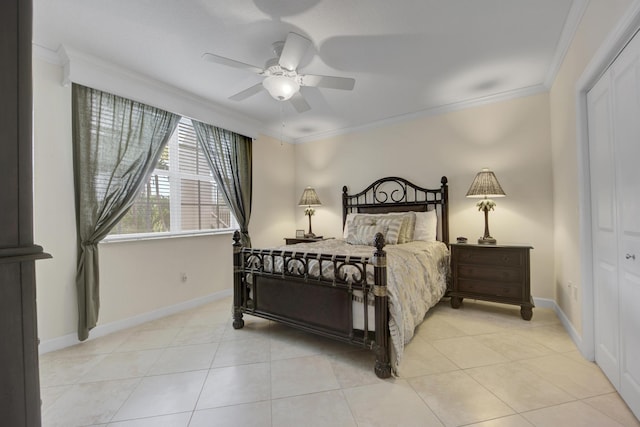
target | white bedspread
x=416, y=280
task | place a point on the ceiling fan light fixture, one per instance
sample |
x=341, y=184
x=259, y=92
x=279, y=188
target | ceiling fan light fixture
x=281, y=88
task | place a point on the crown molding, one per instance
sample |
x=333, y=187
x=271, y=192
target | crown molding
x=85, y=69
x=571, y=24
x=46, y=54
x=435, y=111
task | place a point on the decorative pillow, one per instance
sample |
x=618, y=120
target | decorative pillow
x=426, y=228
x=364, y=234
x=406, y=230
x=347, y=224
x=392, y=222
x=408, y=227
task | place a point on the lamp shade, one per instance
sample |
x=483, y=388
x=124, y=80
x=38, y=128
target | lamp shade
x=485, y=184
x=281, y=88
x=309, y=198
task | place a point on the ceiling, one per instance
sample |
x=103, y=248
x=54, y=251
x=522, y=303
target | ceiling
x=408, y=57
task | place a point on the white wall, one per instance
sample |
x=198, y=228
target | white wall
x=272, y=216
x=510, y=137
x=137, y=277
x=54, y=211
x=142, y=276
x=600, y=18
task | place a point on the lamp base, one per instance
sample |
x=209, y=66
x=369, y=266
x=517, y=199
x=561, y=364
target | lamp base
x=486, y=241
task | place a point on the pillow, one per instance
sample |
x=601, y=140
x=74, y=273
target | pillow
x=364, y=234
x=426, y=228
x=406, y=229
x=347, y=223
x=392, y=222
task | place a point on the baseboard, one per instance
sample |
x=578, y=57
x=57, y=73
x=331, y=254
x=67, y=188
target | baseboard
x=546, y=303
x=568, y=326
x=108, y=328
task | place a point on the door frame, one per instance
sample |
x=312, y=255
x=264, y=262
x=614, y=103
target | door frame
x=599, y=63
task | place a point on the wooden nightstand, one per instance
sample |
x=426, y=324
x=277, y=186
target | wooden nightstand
x=498, y=273
x=294, y=240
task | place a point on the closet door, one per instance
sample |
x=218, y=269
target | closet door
x=625, y=78
x=604, y=230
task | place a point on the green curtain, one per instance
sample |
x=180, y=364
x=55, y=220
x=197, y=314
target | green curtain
x=116, y=145
x=229, y=156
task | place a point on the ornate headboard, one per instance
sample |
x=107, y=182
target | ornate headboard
x=393, y=194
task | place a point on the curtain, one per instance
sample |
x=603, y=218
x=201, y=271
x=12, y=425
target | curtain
x=229, y=156
x=116, y=145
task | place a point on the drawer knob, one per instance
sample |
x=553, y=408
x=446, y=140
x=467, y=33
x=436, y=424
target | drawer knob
x=630, y=256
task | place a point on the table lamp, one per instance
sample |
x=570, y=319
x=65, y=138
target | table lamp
x=309, y=198
x=486, y=185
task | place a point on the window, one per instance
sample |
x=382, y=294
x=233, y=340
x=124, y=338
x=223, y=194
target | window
x=181, y=195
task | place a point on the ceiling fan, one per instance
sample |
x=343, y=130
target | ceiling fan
x=282, y=80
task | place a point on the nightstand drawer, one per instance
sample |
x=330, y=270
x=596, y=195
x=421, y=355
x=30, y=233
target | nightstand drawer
x=513, y=291
x=491, y=256
x=491, y=273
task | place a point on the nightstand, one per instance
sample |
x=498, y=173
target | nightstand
x=294, y=240
x=498, y=273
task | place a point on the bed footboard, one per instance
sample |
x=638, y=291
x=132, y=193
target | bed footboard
x=297, y=295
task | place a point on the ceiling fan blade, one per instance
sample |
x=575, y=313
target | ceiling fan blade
x=295, y=46
x=331, y=82
x=231, y=62
x=247, y=92
x=299, y=103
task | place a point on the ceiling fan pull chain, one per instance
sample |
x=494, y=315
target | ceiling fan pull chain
x=282, y=122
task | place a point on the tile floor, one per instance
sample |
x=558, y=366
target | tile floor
x=478, y=366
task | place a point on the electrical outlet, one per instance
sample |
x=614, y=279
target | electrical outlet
x=573, y=290
x=183, y=277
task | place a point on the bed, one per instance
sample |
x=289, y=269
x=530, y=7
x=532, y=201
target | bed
x=371, y=287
